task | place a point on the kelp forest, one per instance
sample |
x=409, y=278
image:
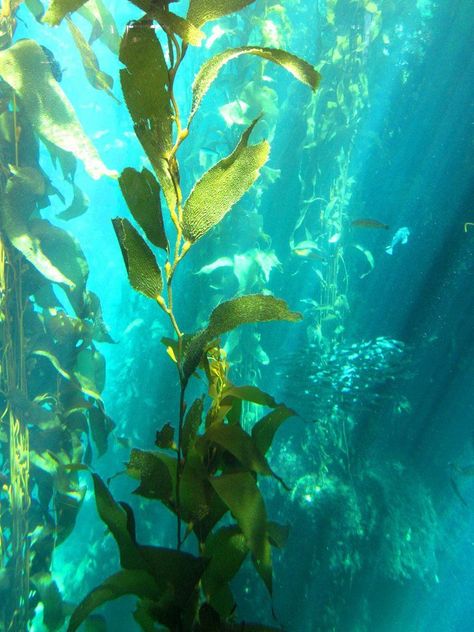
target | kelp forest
x=236, y=238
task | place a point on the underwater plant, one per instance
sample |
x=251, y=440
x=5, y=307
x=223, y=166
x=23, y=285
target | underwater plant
x=51, y=372
x=210, y=469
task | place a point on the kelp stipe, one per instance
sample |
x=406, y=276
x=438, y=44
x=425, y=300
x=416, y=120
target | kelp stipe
x=51, y=373
x=211, y=467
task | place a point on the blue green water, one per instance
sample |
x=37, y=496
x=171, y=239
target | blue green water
x=380, y=370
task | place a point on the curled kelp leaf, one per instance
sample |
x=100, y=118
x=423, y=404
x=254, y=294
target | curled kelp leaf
x=143, y=271
x=96, y=77
x=202, y=11
x=58, y=9
x=302, y=70
x=222, y=186
x=103, y=24
x=26, y=69
x=182, y=27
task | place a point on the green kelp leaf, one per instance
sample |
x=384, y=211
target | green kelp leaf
x=25, y=68
x=248, y=394
x=66, y=510
x=202, y=11
x=143, y=272
x=302, y=70
x=89, y=371
x=103, y=24
x=227, y=549
x=78, y=206
x=96, y=77
x=236, y=441
x=192, y=422
x=58, y=9
x=155, y=473
x=53, y=610
x=29, y=178
x=173, y=23
x=145, y=86
x=101, y=426
x=36, y=8
x=222, y=186
x=278, y=534
x=165, y=438
x=253, y=308
x=265, y=429
x=125, y=582
x=142, y=194
x=240, y=493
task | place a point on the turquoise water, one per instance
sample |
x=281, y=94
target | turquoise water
x=362, y=221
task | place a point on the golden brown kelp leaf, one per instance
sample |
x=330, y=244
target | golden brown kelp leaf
x=241, y=495
x=253, y=308
x=58, y=9
x=143, y=271
x=182, y=27
x=202, y=11
x=89, y=371
x=142, y=194
x=265, y=429
x=302, y=70
x=145, y=86
x=96, y=77
x=222, y=186
x=25, y=68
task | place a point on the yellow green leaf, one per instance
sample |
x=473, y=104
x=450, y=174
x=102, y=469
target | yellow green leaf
x=222, y=186
x=202, y=11
x=182, y=27
x=240, y=493
x=145, y=86
x=302, y=70
x=58, y=9
x=103, y=24
x=25, y=68
x=96, y=77
x=143, y=271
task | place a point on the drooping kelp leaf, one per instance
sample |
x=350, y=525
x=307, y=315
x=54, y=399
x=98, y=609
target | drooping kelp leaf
x=143, y=271
x=53, y=609
x=36, y=8
x=240, y=493
x=142, y=194
x=192, y=422
x=103, y=24
x=227, y=550
x=101, y=426
x=253, y=308
x=165, y=438
x=202, y=11
x=222, y=186
x=78, y=206
x=58, y=9
x=96, y=77
x=145, y=86
x=265, y=429
x=182, y=27
x=302, y=70
x=125, y=582
x=278, y=534
x=25, y=68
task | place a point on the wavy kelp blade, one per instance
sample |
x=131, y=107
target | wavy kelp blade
x=89, y=371
x=302, y=70
x=202, y=11
x=253, y=308
x=36, y=8
x=26, y=69
x=97, y=78
x=145, y=86
x=222, y=186
x=103, y=24
x=241, y=495
x=126, y=582
x=53, y=613
x=142, y=194
x=58, y=9
x=78, y=206
x=265, y=429
x=143, y=272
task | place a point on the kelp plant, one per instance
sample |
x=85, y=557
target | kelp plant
x=212, y=466
x=51, y=373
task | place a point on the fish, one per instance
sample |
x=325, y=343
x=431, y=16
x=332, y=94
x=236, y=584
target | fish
x=400, y=237
x=364, y=222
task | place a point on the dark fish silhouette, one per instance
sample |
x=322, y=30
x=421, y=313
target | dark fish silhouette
x=53, y=64
x=369, y=223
